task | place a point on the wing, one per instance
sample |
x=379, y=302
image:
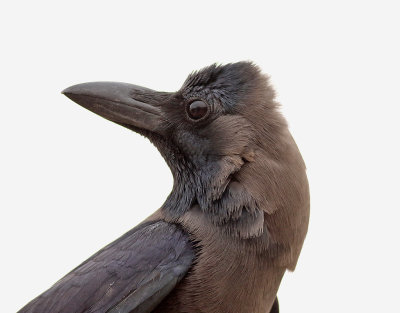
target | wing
x=132, y=274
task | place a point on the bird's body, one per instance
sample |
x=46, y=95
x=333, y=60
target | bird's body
x=235, y=220
x=238, y=280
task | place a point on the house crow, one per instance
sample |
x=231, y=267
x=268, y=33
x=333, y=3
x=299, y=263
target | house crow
x=236, y=217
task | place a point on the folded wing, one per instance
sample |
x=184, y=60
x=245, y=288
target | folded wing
x=132, y=274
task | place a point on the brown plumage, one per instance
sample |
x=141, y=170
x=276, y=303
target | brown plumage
x=238, y=210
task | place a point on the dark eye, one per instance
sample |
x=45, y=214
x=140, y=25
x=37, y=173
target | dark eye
x=197, y=109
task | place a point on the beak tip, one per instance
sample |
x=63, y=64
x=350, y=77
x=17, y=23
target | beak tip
x=66, y=91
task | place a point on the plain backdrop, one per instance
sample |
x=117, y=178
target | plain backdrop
x=71, y=182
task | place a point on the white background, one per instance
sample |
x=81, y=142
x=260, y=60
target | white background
x=71, y=182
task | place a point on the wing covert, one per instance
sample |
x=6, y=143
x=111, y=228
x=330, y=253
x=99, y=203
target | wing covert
x=132, y=274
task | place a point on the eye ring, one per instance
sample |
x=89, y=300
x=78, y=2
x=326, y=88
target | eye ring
x=197, y=109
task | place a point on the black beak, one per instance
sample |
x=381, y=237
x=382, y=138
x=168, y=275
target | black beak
x=119, y=103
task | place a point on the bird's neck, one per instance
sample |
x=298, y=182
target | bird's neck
x=213, y=187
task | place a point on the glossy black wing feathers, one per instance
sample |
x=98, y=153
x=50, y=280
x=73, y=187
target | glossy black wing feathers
x=132, y=274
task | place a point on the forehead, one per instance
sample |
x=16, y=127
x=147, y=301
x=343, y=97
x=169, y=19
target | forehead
x=225, y=83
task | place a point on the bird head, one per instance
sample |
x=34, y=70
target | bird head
x=221, y=135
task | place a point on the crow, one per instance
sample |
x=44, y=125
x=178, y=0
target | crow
x=236, y=217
